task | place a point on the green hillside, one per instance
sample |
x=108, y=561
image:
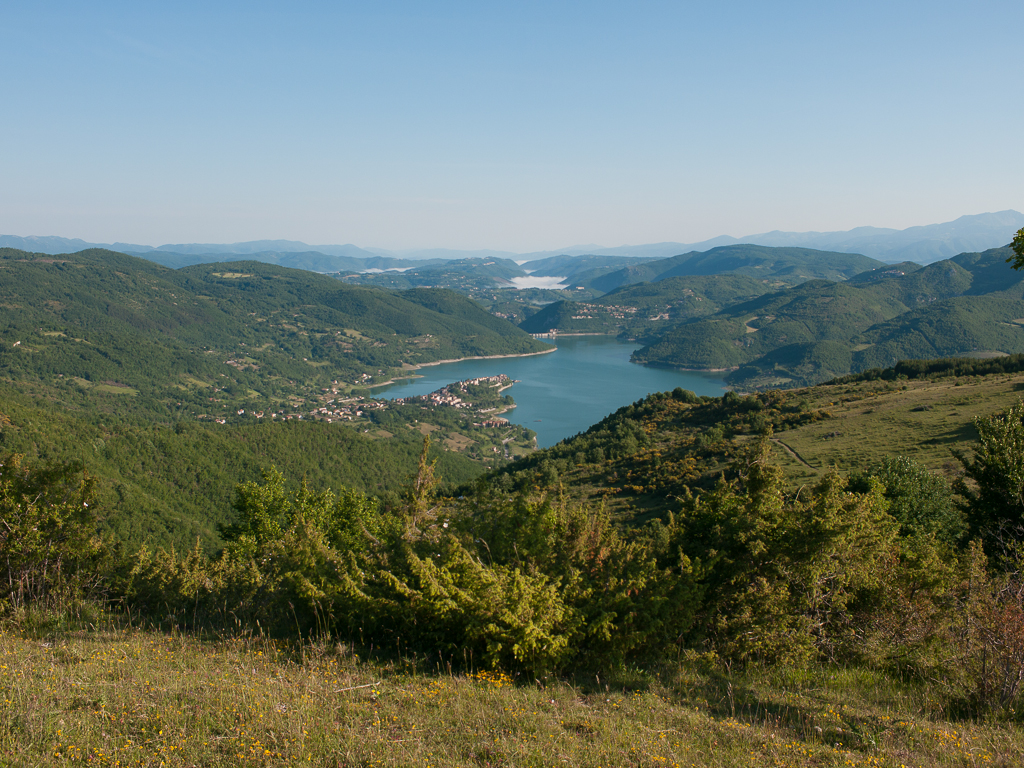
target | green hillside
x=215, y=338
x=964, y=325
x=812, y=312
x=788, y=574
x=641, y=310
x=461, y=275
x=579, y=267
x=172, y=386
x=314, y=261
x=887, y=272
x=171, y=485
x=817, y=330
x=788, y=577
x=644, y=298
x=729, y=610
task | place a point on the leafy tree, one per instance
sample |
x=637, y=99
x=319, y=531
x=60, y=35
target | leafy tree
x=1018, y=249
x=782, y=576
x=992, y=489
x=266, y=512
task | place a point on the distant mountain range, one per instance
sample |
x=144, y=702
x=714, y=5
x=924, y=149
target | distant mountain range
x=54, y=245
x=923, y=245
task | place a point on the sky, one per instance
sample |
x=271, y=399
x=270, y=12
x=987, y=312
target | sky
x=513, y=126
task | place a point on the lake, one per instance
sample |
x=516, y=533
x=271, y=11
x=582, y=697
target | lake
x=567, y=391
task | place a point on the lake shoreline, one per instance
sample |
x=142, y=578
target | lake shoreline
x=669, y=367
x=484, y=357
x=581, y=333
x=558, y=396
x=457, y=360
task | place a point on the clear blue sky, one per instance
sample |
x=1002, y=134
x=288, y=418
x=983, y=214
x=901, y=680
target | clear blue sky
x=518, y=126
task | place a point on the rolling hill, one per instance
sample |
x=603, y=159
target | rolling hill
x=218, y=337
x=462, y=275
x=641, y=309
x=811, y=332
x=643, y=460
x=641, y=299
x=166, y=385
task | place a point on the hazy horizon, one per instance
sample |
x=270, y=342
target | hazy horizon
x=814, y=239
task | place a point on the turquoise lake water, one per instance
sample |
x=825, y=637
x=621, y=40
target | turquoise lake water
x=567, y=391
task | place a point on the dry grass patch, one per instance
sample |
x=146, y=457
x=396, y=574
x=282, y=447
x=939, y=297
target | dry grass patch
x=133, y=698
x=921, y=419
x=458, y=442
x=115, y=389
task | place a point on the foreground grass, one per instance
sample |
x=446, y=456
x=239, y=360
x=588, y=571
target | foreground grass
x=137, y=698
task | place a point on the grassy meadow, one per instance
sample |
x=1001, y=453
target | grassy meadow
x=924, y=419
x=128, y=697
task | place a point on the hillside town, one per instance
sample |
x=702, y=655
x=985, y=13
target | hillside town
x=469, y=393
x=482, y=395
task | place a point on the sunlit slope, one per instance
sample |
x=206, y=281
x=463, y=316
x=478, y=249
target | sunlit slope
x=458, y=274
x=644, y=298
x=174, y=340
x=642, y=309
x=174, y=485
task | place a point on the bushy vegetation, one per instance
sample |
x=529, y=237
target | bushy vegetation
x=937, y=368
x=992, y=485
x=171, y=484
x=49, y=550
x=875, y=617
x=876, y=571
x=1017, y=260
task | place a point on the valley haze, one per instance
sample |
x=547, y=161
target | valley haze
x=921, y=244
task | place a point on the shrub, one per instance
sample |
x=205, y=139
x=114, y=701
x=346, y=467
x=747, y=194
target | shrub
x=48, y=543
x=922, y=502
x=992, y=489
x=782, y=576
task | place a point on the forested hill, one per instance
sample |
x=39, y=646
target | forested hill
x=215, y=338
x=970, y=305
x=642, y=310
x=642, y=299
x=788, y=266
x=170, y=486
x=171, y=386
